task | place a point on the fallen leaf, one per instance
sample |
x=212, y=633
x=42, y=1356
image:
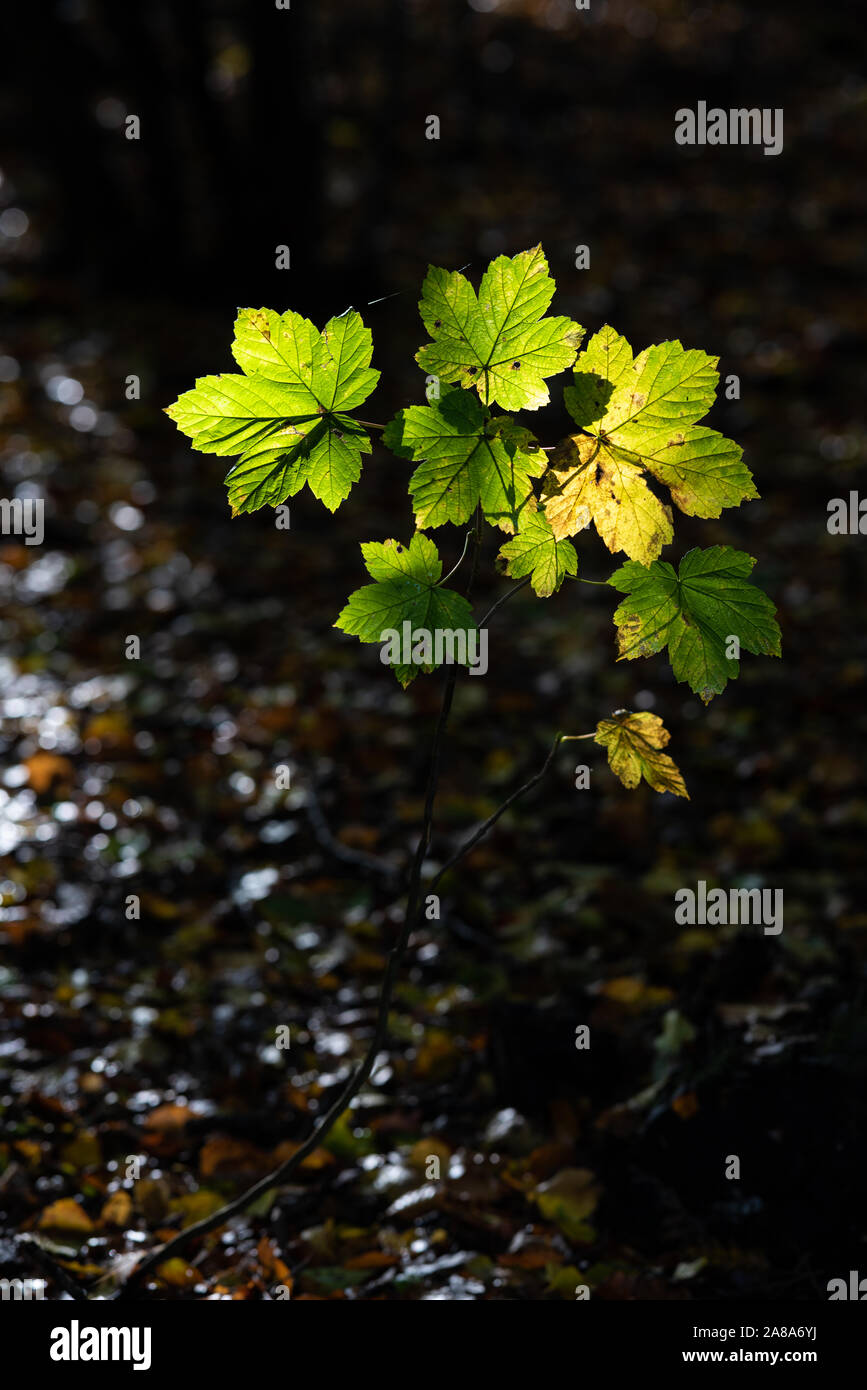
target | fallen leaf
x=43, y=768
x=118, y=1209
x=168, y=1119
x=273, y=1266
x=66, y=1215
x=372, y=1259
x=686, y=1105
x=83, y=1151
x=226, y=1157
x=177, y=1273
x=568, y=1199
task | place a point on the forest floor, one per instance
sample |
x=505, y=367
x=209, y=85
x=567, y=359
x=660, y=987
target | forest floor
x=489, y=1157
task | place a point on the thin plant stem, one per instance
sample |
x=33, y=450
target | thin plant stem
x=492, y=820
x=50, y=1267
x=357, y=1078
x=504, y=599
x=456, y=567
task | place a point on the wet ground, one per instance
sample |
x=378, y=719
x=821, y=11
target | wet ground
x=490, y=1158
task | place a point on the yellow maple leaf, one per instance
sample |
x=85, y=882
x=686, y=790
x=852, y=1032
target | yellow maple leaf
x=633, y=743
x=591, y=480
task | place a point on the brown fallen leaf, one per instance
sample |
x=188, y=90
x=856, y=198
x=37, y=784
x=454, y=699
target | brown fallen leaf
x=273, y=1267
x=66, y=1215
x=226, y=1157
x=168, y=1119
x=118, y=1209
x=152, y=1199
x=685, y=1106
x=372, y=1259
x=44, y=768
x=319, y=1158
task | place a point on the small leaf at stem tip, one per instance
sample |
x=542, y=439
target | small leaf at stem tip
x=633, y=743
x=534, y=552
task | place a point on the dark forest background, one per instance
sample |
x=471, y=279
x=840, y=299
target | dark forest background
x=155, y=1037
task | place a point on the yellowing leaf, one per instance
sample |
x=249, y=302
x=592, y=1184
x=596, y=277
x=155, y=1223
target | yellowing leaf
x=633, y=992
x=195, y=1206
x=623, y=989
x=633, y=743
x=590, y=481
x=697, y=612
x=568, y=1199
x=84, y=1151
x=30, y=1151
x=640, y=417
x=177, y=1273
x=563, y=1280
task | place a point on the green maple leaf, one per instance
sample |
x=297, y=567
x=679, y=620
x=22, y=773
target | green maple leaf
x=695, y=612
x=406, y=589
x=497, y=342
x=640, y=417
x=634, y=744
x=286, y=417
x=466, y=457
x=534, y=551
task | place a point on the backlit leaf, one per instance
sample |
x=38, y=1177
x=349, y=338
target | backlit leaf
x=633, y=743
x=497, y=342
x=466, y=457
x=535, y=552
x=286, y=417
x=405, y=591
x=640, y=417
x=695, y=612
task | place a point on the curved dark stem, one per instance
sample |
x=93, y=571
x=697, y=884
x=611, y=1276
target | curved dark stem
x=492, y=820
x=51, y=1268
x=504, y=599
x=357, y=1078
x=456, y=567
